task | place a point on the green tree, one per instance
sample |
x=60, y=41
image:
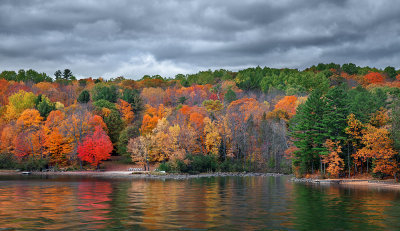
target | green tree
x=360, y=103
x=58, y=75
x=307, y=132
x=395, y=122
x=390, y=72
x=21, y=76
x=133, y=97
x=84, y=97
x=250, y=79
x=8, y=75
x=335, y=113
x=102, y=91
x=230, y=96
x=99, y=104
x=350, y=68
x=44, y=106
x=182, y=100
x=111, y=117
x=114, y=124
x=67, y=75
x=132, y=131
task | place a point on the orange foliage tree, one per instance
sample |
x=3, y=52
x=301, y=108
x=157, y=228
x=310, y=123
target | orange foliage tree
x=288, y=104
x=151, y=117
x=57, y=148
x=335, y=163
x=374, y=78
x=125, y=109
x=379, y=147
x=30, y=138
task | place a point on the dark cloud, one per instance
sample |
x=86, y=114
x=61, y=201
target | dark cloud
x=133, y=38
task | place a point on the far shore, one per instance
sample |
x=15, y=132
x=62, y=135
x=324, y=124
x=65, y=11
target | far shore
x=133, y=175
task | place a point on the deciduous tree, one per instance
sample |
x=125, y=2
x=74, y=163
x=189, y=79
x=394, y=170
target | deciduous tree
x=95, y=147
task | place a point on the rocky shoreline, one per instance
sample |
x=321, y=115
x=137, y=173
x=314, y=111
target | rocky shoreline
x=356, y=182
x=138, y=175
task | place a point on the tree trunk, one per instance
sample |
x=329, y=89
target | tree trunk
x=312, y=166
x=348, y=158
x=320, y=161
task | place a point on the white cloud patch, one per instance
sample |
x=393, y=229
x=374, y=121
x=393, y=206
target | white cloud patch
x=147, y=65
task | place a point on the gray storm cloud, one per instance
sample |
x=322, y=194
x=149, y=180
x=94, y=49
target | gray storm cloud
x=134, y=38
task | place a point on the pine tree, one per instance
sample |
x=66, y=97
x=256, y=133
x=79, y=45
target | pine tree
x=307, y=132
x=230, y=96
x=84, y=97
x=335, y=114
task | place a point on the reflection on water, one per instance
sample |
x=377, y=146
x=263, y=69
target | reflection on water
x=222, y=203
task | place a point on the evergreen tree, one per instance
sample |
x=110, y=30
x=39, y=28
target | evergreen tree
x=363, y=103
x=395, y=122
x=58, y=75
x=350, y=68
x=335, y=114
x=84, y=97
x=390, y=72
x=133, y=97
x=44, y=105
x=230, y=96
x=102, y=91
x=360, y=103
x=307, y=129
x=67, y=74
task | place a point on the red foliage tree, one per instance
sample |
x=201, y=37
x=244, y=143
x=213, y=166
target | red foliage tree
x=95, y=147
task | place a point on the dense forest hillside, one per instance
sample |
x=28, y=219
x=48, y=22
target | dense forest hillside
x=330, y=119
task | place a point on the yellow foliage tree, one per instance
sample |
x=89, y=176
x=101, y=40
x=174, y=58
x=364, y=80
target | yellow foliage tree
x=212, y=136
x=19, y=102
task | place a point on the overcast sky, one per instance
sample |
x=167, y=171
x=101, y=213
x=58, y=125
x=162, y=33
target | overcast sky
x=133, y=38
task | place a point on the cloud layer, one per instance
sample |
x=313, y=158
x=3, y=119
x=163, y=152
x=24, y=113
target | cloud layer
x=133, y=38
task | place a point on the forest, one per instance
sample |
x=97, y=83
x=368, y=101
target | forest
x=329, y=119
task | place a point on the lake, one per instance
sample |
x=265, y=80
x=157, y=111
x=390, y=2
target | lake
x=215, y=203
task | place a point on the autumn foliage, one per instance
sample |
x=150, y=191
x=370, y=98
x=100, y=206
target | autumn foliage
x=95, y=147
x=332, y=119
x=374, y=78
x=335, y=163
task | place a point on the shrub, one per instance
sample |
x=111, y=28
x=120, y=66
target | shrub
x=164, y=167
x=202, y=163
x=7, y=161
x=32, y=164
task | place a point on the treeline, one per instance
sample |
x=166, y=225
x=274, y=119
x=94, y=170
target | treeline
x=257, y=119
x=347, y=132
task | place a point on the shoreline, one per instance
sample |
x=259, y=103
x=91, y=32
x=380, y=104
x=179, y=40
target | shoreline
x=135, y=175
x=370, y=183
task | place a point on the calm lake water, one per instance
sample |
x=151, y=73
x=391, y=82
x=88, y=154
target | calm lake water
x=218, y=203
